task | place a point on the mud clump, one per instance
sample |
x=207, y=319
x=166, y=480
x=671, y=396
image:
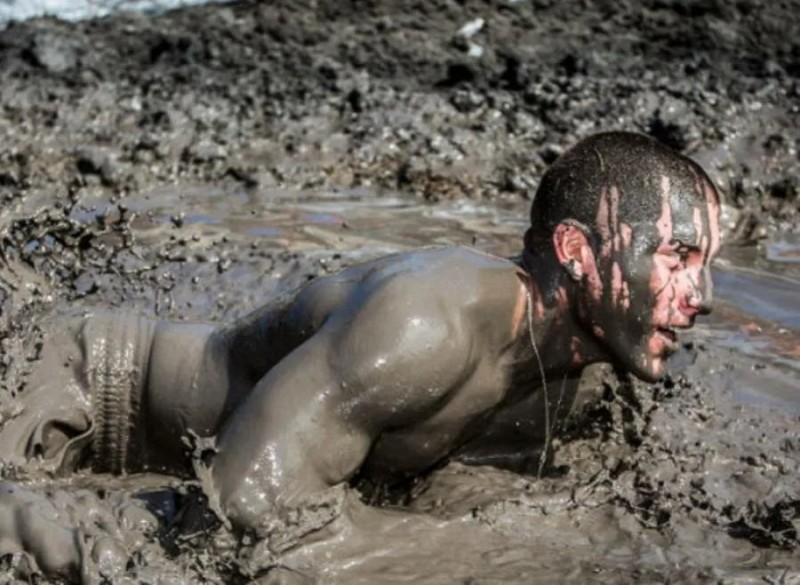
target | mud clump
x=114, y=131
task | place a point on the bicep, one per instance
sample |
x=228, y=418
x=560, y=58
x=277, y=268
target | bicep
x=287, y=439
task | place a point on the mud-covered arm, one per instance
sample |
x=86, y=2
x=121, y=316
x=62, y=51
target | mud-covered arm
x=310, y=422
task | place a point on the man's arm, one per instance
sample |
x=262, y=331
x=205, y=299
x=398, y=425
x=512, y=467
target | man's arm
x=286, y=440
x=311, y=421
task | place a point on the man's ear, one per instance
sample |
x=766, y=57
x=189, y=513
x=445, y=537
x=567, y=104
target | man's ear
x=570, y=245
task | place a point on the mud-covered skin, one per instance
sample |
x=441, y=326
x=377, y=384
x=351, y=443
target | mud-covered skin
x=390, y=366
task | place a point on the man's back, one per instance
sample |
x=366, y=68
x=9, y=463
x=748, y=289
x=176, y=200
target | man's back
x=445, y=286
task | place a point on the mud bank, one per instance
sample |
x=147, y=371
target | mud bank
x=192, y=165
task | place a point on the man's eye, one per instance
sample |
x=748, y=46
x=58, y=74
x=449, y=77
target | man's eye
x=676, y=258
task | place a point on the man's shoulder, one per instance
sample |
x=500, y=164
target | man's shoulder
x=447, y=278
x=438, y=302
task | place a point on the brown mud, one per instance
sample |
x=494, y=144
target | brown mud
x=192, y=165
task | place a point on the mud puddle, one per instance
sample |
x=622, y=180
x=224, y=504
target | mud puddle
x=758, y=314
x=353, y=222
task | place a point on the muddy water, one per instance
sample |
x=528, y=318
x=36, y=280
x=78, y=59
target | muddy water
x=759, y=315
x=651, y=492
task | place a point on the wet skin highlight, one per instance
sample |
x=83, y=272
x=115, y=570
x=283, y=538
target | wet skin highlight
x=389, y=367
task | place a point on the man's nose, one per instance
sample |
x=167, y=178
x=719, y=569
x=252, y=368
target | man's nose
x=702, y=296
x=705, y=306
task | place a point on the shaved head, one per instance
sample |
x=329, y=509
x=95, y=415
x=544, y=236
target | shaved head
x=574, y=186
x=635, y=226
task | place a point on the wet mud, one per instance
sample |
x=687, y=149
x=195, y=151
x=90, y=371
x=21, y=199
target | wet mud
x=193, y=165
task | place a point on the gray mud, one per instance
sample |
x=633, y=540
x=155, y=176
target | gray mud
x=192, y=165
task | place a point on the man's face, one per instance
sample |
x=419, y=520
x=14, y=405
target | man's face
x=652, y=278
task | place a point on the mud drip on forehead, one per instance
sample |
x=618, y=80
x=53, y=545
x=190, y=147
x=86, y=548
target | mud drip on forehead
x=690, y=214
x=616, y=240
x=664, y=222
x=695, y=224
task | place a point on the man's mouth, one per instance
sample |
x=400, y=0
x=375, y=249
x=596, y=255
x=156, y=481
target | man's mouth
x=669, y=337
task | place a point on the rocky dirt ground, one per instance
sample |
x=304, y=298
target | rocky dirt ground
x=431, y=101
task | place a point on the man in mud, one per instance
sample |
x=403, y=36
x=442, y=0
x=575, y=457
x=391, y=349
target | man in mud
x=385, y=368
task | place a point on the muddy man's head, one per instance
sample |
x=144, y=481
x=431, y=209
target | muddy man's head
x=634, y=227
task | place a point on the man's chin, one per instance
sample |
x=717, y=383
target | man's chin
x=650, y=376
x=651, y=369
x=643, y=360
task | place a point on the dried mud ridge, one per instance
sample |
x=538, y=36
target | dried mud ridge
x=258, y=96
